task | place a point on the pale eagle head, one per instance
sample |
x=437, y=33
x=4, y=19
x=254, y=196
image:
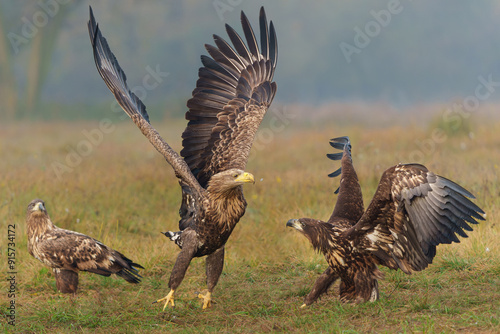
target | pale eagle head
x=228, y=180
x=36, y=208
x=314, y=230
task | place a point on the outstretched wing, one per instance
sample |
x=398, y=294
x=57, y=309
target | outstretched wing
x=350, y=200
x=115, y=79
x=112, y=74
x=413, y=211
x=75, y=251
x=231, y=97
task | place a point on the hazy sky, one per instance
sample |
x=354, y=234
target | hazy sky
x=401, y=52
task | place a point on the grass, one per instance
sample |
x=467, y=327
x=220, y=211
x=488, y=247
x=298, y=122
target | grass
x=123, y=193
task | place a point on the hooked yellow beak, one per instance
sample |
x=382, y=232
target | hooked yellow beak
x=38, y=207
x=295, y=223
x=245, y=178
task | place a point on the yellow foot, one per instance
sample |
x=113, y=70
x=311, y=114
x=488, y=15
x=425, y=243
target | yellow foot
x=168, y=299
x=303, y=306
x=207, y=299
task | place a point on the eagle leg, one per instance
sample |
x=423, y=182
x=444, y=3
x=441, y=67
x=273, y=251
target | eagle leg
x=324, y=281
x=213, y=268
x=66, y=280
x=168, y=299
x=359, y=291
x=181, y=265
x=207, y=299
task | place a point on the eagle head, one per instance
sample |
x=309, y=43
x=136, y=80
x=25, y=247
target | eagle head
x=302, y=225
x=228, y=180
x=36, y=208
x=312, y=229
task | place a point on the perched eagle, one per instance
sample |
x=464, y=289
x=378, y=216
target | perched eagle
x=413, y=210
x=68, y=252
x=232, y=95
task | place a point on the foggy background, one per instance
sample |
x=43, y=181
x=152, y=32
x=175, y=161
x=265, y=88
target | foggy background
x=400, y=54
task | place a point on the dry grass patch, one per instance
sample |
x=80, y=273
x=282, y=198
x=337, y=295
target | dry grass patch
x=125, y=194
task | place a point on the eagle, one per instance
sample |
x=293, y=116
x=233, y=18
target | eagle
x=68, y=252
x=413, y=210
x=233, y=92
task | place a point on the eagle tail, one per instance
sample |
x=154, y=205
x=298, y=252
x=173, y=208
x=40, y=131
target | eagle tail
x=130, y=275
x=174, y=236
x=125, y=268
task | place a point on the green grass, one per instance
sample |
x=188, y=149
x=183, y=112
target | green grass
x=124, y=194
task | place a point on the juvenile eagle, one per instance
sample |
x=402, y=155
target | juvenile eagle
x=68, y=252
x=232, y=95
x=413, y=210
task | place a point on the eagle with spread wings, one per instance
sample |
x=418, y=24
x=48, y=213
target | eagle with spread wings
x=68, y=252
x=234, y=90
x=413, y=210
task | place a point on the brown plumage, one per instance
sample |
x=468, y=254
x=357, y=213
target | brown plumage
x=412, y=211
x=68, y=252
x=232, y=95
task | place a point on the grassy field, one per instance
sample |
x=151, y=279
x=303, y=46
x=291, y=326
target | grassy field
x=120, y=191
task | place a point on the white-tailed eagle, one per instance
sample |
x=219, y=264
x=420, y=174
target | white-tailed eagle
x=68, y=252
x=413, y=210
x=233, y=92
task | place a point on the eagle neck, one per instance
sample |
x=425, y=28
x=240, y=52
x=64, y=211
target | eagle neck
x=39, y=225
x=322, y=237
x=228, y=206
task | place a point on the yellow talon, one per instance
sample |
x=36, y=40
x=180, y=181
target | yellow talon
x=207, y=299
x=169, y=299
x=303, y=305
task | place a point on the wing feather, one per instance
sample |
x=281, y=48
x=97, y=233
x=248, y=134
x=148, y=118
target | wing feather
x=232, y=95
x=115, y=79
x=112, y=74
x=249, y=35
x=226, y=54
x=71, y=250
x=421, y=210
x=240, y=46
x=221, y=74
x=350, y=200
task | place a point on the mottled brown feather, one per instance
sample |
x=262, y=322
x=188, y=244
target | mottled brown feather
x=240, y=79
x=413, y=210
x=231, y=97
x=72, y=251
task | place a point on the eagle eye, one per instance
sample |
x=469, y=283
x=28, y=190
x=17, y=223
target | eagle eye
x=235, y=175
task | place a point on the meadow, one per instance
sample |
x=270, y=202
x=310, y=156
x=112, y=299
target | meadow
x=119, y=190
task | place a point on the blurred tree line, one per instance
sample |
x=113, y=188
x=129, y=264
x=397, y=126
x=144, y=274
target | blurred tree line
x=402, y=52
x=41, y=24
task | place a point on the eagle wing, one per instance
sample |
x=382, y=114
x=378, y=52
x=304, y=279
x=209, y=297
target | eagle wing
x=116, y=80
x=231, y=97
x=71, y=250
x=350, y=199
x=413, y=211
